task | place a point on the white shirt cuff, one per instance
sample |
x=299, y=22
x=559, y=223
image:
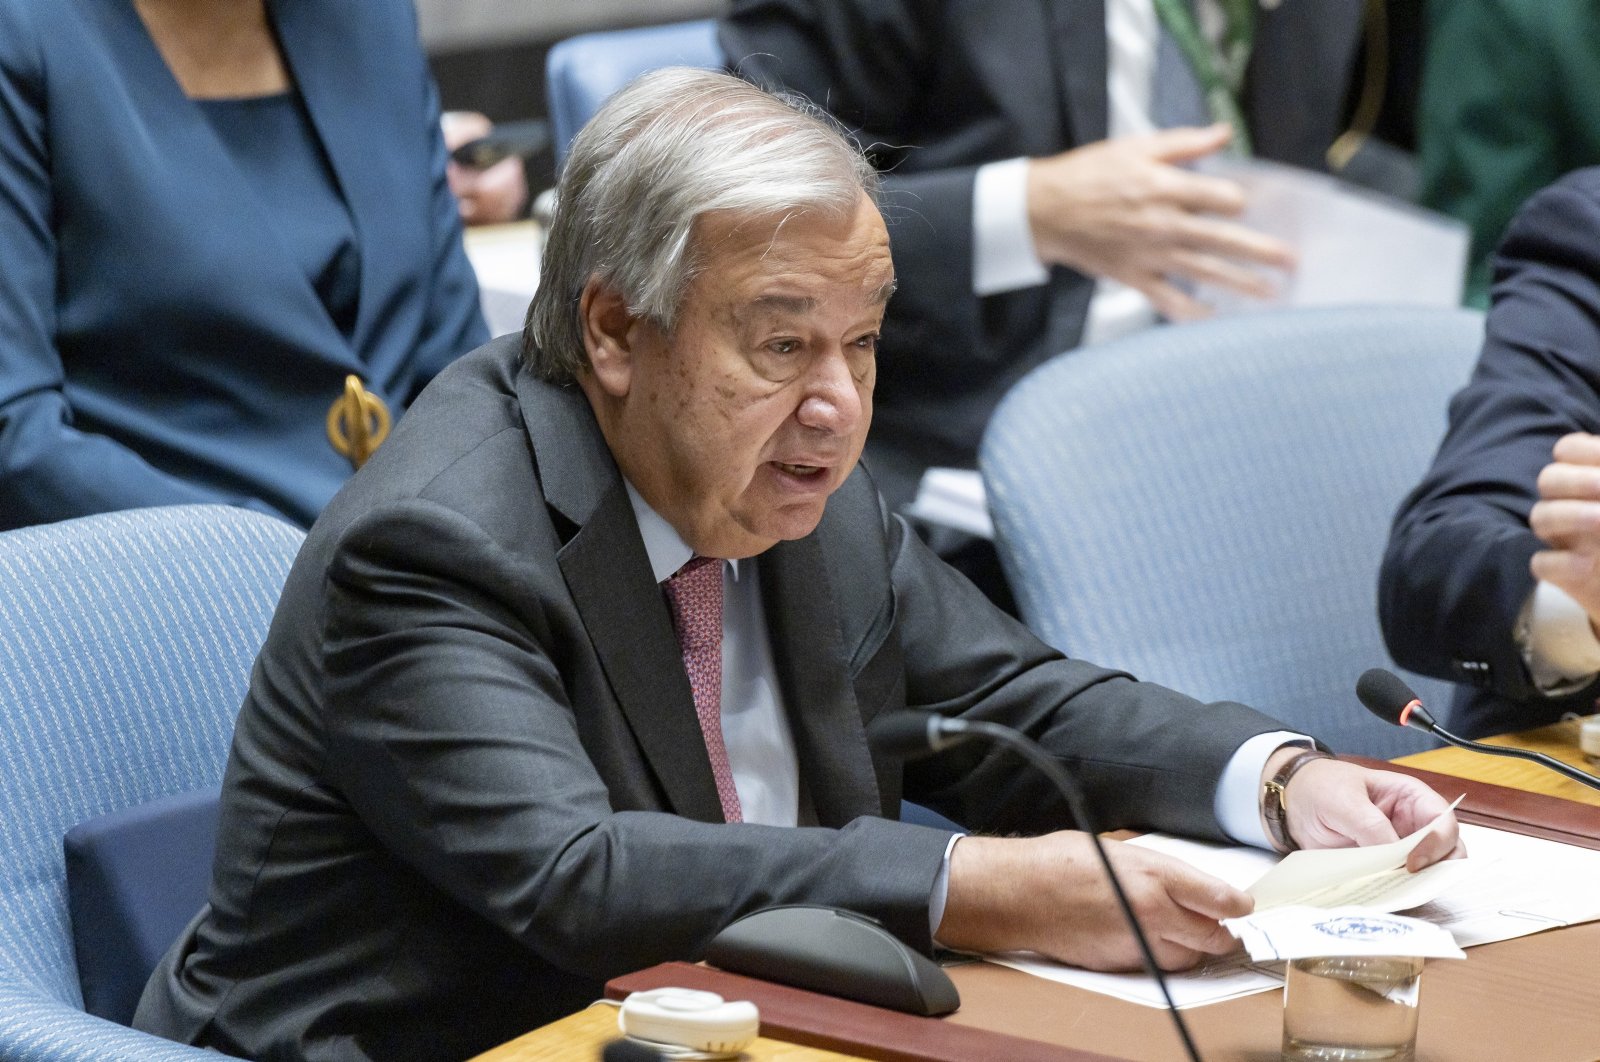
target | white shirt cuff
x=1238, y=800
x=941, y=889
x=1557, y=641
x=1003, y=256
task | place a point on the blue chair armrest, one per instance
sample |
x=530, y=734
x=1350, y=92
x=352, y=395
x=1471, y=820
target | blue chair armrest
x=135, y=878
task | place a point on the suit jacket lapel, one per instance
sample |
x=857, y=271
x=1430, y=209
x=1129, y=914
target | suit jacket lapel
x=1081, y=61
x=179, y=126
x=813, y=673
x=355, y=145
x=623, y=609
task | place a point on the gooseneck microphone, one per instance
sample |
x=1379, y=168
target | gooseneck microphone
x=909, y=735
x=1391, y=700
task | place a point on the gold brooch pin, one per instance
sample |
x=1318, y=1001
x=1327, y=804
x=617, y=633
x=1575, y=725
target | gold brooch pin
x=358, y=422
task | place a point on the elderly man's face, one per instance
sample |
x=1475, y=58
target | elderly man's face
x=739, y=426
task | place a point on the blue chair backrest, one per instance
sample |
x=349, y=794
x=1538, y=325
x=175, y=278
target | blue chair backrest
x=582, y=72
x=1206, y=506
x=126, y=642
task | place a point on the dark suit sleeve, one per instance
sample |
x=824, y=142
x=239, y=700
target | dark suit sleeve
x=451, y=734
x=1144, y=755
x=1455, y=575
x=49, y=470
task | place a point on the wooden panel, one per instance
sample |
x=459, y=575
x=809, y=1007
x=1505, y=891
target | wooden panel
x=1559, y=741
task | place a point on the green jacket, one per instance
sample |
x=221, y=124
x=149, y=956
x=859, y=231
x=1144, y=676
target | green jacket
x=1510, y=102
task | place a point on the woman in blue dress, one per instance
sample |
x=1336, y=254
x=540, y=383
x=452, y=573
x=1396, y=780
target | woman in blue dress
x=229, y=257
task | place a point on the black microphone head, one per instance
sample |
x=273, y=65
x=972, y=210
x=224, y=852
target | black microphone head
x=904, y=734
x=629, y=1051
x=1387, y=696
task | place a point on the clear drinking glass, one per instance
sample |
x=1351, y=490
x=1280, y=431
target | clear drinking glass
x=1351, y=1009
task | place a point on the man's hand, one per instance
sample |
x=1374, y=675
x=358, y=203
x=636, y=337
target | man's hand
x=1567, y=517
x=1049, y=894
x=1333, y=804
x=1125, y=209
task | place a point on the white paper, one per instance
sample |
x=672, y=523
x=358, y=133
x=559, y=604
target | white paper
x=1296, y=932
x=1354, y=246
x=1374, y=876
x=953, y=497
x=1215, y=981
x=1517, y=885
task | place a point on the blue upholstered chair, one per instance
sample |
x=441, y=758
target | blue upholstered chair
x=1206, y=506
x=581, y=72
x=126, y=642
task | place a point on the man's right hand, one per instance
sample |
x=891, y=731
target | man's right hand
x=1567, y=518
x=1050, y=895
x=1125, y=209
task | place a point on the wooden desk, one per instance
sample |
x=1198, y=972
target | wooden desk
x=1469, y=1000
x=1558, y=741
x=581, y=1036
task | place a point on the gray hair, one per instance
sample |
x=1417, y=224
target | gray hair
x=675, y=144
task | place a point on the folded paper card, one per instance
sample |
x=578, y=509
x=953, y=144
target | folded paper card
x=1374, y=877
x=1296, y=932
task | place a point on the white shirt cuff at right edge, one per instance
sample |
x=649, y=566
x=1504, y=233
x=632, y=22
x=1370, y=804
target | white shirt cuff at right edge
x=1003, y=255
x=1557, y=641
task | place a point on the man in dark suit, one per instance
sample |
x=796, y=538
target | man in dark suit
x=997, y=126
x=1491, y=575
x=577, y=669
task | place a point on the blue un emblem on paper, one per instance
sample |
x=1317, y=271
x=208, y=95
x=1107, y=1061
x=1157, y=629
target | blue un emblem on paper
x=1362, y=927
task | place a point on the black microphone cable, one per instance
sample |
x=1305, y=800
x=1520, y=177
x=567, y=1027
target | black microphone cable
x=907, y=733
x=1390, y=699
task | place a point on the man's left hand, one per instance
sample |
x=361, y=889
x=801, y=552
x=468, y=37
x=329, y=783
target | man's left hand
x=1333, y=804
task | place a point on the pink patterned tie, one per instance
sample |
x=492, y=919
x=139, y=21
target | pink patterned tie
x=695, y=596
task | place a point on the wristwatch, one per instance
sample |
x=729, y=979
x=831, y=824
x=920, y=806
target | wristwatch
x=1274, y=798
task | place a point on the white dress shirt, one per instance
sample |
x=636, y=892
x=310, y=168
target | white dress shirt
x=1557, y=641
x=1004, y=256
x=755, y=727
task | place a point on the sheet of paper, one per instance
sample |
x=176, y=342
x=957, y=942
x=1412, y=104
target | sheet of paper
x=1355, y=247
x=1339, y=877
x=1217, y=981
x=953, y=497
x=1517, y=885
x=1296, y=932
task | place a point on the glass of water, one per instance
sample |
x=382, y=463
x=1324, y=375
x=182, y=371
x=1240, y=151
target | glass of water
x=1360, y=1008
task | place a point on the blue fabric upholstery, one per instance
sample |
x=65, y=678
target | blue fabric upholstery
x=581, y=72
x=135, y=878
x=126, y=641
x=1207, y=506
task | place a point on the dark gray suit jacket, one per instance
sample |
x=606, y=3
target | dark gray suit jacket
x=468, y=785
x=935, y=88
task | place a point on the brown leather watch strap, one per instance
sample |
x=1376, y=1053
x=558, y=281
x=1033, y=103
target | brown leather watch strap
x=1275, y=801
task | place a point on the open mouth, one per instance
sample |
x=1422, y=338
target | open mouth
x=803, y=471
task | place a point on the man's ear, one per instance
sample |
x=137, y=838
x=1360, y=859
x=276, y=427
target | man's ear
x=610, y=335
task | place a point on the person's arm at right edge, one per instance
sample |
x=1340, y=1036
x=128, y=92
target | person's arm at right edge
x=1456, y=576
x=49, y=470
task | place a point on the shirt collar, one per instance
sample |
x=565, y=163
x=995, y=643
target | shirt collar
x=662, y=544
